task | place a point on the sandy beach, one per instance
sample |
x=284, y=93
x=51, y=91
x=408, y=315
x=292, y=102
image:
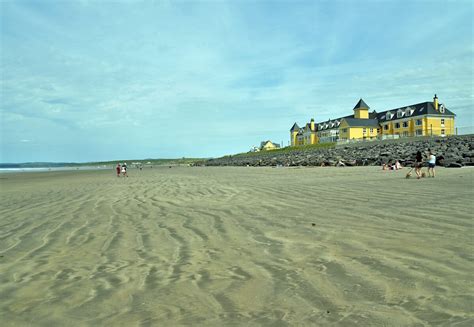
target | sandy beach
x=220, y=246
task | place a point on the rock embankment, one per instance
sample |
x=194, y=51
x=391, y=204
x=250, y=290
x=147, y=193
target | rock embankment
x=453, y=151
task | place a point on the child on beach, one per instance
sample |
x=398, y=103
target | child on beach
x=118, y=169
x=431, y=165
x=418, y=164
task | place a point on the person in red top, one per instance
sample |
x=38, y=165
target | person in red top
x=118, y=170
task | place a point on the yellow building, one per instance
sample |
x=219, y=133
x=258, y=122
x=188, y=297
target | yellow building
x=422, y=119
x=268, y=145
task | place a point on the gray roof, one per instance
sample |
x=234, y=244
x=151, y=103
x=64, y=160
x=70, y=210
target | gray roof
x=362, y=122
x=419, y=109
x=295, y=127
x=320, y=126
x=361, y=104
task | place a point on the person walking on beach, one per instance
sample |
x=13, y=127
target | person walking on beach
x=431, y=164
x=418, y=164
x=118, y=169
x=124, y=170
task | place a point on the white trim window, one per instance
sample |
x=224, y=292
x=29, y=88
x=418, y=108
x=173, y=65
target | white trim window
x=399, y=113
x=371, y=130
x=419, y=132
x=405, y=133
x=443, y=132
x=419, y=122
x=442, y=122
x=385, y=127
x=397, y=125
x=405, y=124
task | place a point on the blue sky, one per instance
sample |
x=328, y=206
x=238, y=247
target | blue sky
x=89, y=80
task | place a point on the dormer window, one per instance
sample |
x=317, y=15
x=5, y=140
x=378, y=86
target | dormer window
x=409, y=111
x=442, y=109
x=399, y=114
x=388, y=115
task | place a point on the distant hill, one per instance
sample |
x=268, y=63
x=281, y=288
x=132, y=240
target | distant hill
x=155, y=162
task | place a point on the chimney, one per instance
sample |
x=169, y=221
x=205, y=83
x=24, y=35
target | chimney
x=435, y=102
x=312, y=124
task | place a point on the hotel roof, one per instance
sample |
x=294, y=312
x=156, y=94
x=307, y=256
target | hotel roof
x=361, y=122
x=419, y=109
x=295, y=127
x=361, y=104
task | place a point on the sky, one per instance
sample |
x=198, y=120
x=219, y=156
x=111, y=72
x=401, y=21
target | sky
x=107, y=80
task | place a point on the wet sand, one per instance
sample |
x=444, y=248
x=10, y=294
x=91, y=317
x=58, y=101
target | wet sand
x=237, y=246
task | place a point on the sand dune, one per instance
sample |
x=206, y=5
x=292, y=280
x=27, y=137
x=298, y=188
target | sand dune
x=237, y=246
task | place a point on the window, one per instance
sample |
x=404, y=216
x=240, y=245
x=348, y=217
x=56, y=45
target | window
x=419, y=132
x=442, y=122
x=364, y=130
x=399, y=114
x=442, y=132
x=441, y=109
x=418, y=122
x=388, y=115
x=405, y=124
x=405, y=134
x=385, y=127
x=397, y=125
x=344, y=130
x=371, y=130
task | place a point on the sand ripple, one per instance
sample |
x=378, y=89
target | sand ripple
x=242, y=246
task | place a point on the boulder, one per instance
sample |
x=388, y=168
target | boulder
x=454, y=165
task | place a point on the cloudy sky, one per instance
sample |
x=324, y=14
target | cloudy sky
x=105, y=80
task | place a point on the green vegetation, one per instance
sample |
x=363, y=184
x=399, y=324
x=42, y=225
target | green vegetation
x=288, y=149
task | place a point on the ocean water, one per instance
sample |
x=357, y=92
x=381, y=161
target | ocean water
x=43, y=169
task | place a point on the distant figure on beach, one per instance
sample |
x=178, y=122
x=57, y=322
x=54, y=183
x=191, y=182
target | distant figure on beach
x=397, y=165
x=388, y=166
x=118, y=168
x=418, y=164
x=124, y=170
x=340, y=164
x=431, y=164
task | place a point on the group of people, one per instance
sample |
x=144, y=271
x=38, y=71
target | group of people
x=390, y=166
x=418, y=165
x=431, y=160
x=121, y=168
